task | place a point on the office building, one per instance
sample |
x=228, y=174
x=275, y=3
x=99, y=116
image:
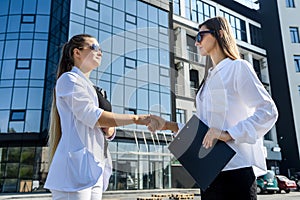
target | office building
x=281, y=40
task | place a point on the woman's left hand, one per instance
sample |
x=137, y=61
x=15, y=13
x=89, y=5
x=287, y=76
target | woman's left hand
x=211, y=135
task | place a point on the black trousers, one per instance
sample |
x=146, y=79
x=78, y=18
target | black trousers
x=238, y=184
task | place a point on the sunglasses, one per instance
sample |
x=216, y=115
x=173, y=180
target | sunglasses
x=200, y=35
x=94, y=47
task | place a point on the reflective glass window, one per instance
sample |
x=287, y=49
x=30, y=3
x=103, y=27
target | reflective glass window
x=8, y=69
x=165, y=100
x=43, y=7
x=42, y=23
x=76, y=28
x=119, y=5
x=35, y=98
x=118, y=19
x=92, y=5
x=153, y=55
x=27, y=27
x=7, y=94
x=118, y=66
x=3, y=20
x=117, y=95
x=19, y=98
x=130, y=97
x=13, y=23
x=4, y=116
x=92, y=14
x=118, y=45
x=33, y=121
x=130, y=18
x=38, y=69
x=106, y=14
x=28, y=18
x=154, y=101
x=142, y=71
x=4, y=7
x=131, y=6
x=23, y=64
x=142, y=99
x=130, y=63
x=15, y=127
x=17, y=115
x=29, y=6
x=164, y=58
x=15, y=6
x=142, y=52
x=25, y=48
x=22, y=74
x=142, y=10
x=163, y=18
x=40, y=49
x=153, y=14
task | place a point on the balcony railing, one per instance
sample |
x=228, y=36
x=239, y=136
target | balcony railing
x=179, y=91
x=189, y=55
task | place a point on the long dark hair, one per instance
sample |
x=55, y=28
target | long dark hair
x=224, y=36
x=65, y=64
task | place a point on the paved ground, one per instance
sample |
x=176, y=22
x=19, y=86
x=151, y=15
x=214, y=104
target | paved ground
x=110, y=195
x=132, y=195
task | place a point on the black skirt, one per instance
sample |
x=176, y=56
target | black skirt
x=238, y=184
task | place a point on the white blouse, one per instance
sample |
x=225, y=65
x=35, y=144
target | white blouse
x=234, y=99
x=79, y=159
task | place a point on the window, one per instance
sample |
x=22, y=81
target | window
x=180, y=116
x=17, y=115
x=256, y=36
x=194, y=79
x=256, y=66
x=294, y=35
x=131, y=19
x=176, y=7
x=92, y=5
x=238, y=26
x=199, y=11
x=130, y=63
x=28, y=19
x=290, y=3
x=23, y=64
x=297, y=63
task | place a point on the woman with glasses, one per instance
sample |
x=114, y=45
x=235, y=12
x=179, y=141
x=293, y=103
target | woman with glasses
x=235, y=105
x=80, y=164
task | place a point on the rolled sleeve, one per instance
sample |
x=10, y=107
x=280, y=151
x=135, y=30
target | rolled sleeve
x=74, y=93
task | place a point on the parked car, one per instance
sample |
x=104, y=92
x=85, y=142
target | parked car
x=285, y=184
x=295, y=177
x=267, y=183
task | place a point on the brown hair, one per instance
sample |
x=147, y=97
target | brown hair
x=224, y=36
x=66, y=63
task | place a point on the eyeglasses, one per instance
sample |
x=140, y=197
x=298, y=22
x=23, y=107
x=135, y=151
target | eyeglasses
x=94, y=47
x=200, y=35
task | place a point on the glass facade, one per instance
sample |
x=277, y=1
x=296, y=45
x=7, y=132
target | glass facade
x=135, y=73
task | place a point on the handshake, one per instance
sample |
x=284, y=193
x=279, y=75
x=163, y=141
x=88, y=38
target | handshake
x=153, y=122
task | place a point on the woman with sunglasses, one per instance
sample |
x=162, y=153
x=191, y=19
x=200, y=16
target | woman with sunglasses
x=235, y=105
x=80, y=164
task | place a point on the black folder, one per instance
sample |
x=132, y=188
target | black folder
x=202, y=164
